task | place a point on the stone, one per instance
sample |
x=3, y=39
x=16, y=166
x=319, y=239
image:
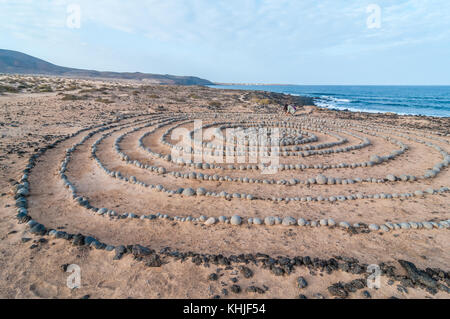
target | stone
x=23, y=217
x=120, y=251
x=301, y=282
x=102, y=211
x=211, y=221
x=78, y=240
x=257, y=221
x=277, y=271
x=321, y=179
x=402, y=289
x=236, y=220
x=427, y=225
x=289, y=221
x=255, y=289
x=269, y=221
x=344, y=225
x=38, y=229
x=417, y=275
x=376, y=159
x=139, y=251
x=153, y=261
x=405, y=226
x=418, y=193
x=445, y=224
x=236, y=289
x=89, y=240
x=188, y=192
x=213, y=277
x=246, y=272
x=391, y=178
x=337, y=290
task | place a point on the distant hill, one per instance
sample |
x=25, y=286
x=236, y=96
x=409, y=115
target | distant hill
x=20, y=63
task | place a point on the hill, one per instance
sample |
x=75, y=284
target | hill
x=13, y=62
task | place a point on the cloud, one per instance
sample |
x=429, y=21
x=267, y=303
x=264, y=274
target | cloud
x=251, y=35
x=309, y=24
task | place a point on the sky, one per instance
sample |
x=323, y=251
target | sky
x=311, y=42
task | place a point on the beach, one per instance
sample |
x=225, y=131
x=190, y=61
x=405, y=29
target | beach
x=367, y=195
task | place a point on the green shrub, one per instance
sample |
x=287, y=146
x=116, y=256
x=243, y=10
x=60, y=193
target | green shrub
x=8, y=89
x=106, y=101
x=45, y=88
x=261, y=101
x=215, y=104
x=72, y=97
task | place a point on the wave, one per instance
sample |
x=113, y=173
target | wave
x=426, y=112
x=330, y=97
x=359, y=109
x=407, y=100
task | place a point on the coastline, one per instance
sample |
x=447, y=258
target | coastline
x=338, y=103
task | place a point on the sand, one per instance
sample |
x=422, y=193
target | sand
x=32, y=120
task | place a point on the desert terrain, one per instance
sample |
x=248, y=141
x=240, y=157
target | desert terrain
x=86, y=179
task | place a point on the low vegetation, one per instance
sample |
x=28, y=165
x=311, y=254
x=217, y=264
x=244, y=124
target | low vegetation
x=72, y=97
x=102, y=100
x=263, y=101
x=8, y=89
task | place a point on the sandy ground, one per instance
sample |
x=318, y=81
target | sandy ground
x=32, y=120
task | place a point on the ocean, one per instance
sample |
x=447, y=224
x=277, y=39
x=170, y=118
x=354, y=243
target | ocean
x=413, y=100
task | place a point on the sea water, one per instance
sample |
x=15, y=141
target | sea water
x=413, y=100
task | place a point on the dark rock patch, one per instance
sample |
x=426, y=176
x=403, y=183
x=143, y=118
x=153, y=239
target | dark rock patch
x=338, y=290
x=301, y=283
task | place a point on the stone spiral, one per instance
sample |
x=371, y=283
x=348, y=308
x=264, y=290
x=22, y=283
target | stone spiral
x=321, y=165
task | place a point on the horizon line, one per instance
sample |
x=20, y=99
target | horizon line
x=285, y=84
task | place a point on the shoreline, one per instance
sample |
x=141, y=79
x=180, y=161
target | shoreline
x=335, y=108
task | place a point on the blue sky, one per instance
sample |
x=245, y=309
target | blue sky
x=251, y=41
